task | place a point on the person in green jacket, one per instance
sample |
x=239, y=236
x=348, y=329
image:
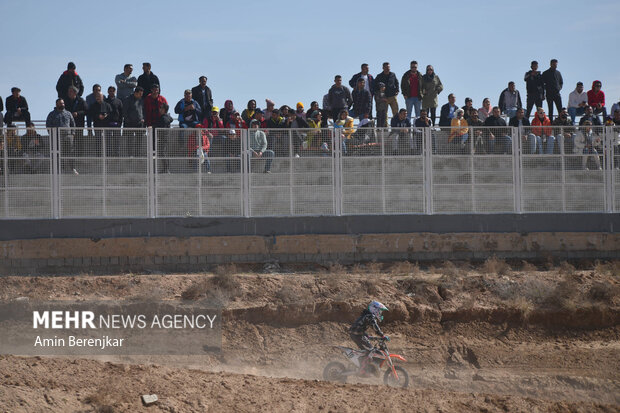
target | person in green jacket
x=430, y=88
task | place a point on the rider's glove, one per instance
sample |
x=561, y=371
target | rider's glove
x=386, y=338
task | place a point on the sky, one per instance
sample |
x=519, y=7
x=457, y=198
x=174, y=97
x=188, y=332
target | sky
x=291, y=51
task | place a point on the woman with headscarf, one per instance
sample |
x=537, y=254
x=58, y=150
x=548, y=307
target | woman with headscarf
x=227, y=111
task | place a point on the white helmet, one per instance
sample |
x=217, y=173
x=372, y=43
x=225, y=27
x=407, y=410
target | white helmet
x=375, y=308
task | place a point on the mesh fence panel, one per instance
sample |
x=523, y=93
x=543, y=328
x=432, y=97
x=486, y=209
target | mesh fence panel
x=383, y=171
x=25, y=173
x=300, y=178
x=472, y=170
x=217, y=172
x=198, y=172
x=103, y=172
x=561, y=169
x=614, y=141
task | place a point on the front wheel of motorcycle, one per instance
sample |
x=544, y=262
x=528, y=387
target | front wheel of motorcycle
x=390, y=380
x=334, y=372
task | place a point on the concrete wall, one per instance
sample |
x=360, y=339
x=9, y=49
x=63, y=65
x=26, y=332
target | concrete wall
x=51, y=246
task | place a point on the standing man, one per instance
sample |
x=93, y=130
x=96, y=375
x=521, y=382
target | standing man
x=61, y=118
x=69, y=78
x=90, y=100
x=552, y=78
x=133, y=116
x=116, y=116
x=448, y=111
x=535, y=88
x=202, y=95
x=510, y=100
x=125, y=82
x=391, y=88
x=339, y=97
x=362, y=100
x=368, y=85
x=76, y=106
x=152, y=103
x=16, y=108
x=148, y=78
x=410, y=86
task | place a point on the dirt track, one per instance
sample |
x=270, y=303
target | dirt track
x=485, y=339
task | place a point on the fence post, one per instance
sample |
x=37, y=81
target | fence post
x=245, y=170
x=608, y=158
x=291, y=181
x=337, y=169
x=151, y=156
x=383, y=200
x=516, y=168
x=104, y=169
x=5, y=167
x=428, y=169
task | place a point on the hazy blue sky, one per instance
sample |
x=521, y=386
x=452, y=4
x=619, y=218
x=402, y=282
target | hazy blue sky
x=291, y=51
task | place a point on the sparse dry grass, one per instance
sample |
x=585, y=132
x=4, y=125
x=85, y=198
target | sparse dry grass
x=602, y=292
x=227, y=269
x=405, y=268
x=566, y=268
x=608, y=268
x=450, y=269
x=196, y=290
x=287, y=294
x=337, y=268
x=523, y=306
x=494, y=265
x=218, y=288
x=374, y=267
x=528, y=267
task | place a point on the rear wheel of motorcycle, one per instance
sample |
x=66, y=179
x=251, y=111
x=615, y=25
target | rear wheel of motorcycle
x=390, y=380
x=334, y=372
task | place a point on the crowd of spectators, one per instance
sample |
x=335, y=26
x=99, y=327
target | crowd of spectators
x=138, y=103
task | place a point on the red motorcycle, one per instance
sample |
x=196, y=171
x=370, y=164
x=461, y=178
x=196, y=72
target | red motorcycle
x=368, y=363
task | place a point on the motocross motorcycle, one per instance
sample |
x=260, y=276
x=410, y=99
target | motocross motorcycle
x=368, y=363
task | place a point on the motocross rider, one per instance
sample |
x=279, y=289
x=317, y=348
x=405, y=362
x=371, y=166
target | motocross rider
x=370, y=317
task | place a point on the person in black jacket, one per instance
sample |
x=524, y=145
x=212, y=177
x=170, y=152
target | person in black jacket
x=202, y=95
x=362, y=100
x=115, y=120
x=528, y=139
x=535, y=88
x=339, y=97
x=498, y=137
x=100, y=114
x=448, y=111
x=552, y=79
x=69, y=78
x=369, y=85
x=1, y=110
x=76, y=105
x=391, y=88
x=147, y=79
x=16, y=108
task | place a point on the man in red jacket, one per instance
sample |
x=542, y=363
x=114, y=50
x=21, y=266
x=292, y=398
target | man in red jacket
x=596, y=99
x=152, y=103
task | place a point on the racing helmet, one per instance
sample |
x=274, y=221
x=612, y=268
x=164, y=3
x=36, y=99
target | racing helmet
x=376, y=308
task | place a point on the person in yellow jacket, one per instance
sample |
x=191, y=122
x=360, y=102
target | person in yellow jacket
x=345, y=122
x=459, y=132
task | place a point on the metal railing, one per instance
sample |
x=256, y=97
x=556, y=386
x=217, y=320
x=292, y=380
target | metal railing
x=112, y=172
